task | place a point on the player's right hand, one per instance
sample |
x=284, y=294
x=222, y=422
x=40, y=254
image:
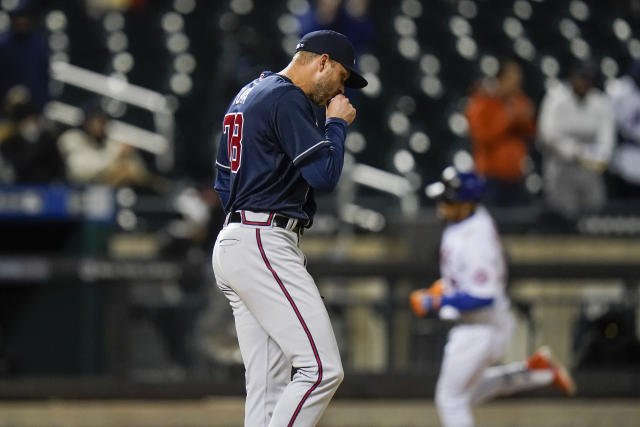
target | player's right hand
x=437, y=288
x=341, y=108
x=422, y=302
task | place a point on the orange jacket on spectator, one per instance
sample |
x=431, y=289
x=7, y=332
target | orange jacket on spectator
x=499, y=131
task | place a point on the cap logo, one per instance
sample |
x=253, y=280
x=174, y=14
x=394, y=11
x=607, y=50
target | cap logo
x=299, y=45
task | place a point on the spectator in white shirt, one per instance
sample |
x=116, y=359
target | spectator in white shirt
x=92, y=157
x=625, y=165
x=576, y=136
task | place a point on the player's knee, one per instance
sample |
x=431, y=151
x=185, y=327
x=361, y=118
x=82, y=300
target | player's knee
x=451, y=404
x=447, y=398
x=332, y=376
x=327, y=375
x=337, y=375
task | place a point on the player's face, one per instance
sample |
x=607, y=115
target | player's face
x=511, y=79
x=455, y=211
x=580, y=85
x=329, y=83
x=95, y=125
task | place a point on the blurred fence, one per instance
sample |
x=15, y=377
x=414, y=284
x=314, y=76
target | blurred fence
x=96, y=326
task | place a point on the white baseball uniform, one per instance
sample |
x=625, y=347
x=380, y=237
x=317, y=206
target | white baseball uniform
x=625, y=97
x=472, y=261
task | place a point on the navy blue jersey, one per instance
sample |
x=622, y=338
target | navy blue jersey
x=268, y=134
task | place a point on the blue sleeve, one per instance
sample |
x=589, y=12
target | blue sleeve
x=223, y=177
x=322, y=170
x=295, y=126
x=222, y=185
x=464, y=302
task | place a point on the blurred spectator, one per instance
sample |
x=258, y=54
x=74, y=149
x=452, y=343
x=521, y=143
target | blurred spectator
x=24, y=55
x=350, y=17
x=322, y=15
x=577, y=132
x=27, y=142
x=501, y=120
x=625, y=95
x=92, y=157
x=98, y=7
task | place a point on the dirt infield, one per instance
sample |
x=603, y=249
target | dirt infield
x=227, y=412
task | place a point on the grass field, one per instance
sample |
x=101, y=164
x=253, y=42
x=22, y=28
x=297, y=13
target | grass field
x=227, y=412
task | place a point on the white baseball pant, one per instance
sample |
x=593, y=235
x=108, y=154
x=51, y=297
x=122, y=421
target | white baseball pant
x=467, y=377
x=291, y=358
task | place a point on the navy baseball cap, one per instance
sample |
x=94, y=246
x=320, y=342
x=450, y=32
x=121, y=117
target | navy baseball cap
x=338, y=47
x=456, y=186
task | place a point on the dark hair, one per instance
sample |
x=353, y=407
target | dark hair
x=92, y=107
x=585, y=70
x=505, y=63
x=21, y=110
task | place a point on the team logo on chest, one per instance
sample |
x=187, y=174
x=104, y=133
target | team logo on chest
x=480, y=277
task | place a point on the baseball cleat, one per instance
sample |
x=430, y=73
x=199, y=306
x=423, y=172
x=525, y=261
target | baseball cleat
x=542, y=359
x=562, y=379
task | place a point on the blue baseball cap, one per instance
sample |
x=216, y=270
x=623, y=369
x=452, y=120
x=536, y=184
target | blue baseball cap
x=338, y=47
x=457, y=186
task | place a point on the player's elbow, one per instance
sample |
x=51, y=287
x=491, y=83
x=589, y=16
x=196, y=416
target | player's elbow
x=329, y=187
x=327, y=184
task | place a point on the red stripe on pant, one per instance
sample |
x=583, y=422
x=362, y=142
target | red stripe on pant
x=302, y=322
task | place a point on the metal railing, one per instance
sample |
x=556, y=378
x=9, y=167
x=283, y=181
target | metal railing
x=160, y=143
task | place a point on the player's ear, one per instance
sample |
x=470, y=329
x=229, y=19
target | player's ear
x=324, y=61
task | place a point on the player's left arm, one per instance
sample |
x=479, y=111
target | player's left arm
x=462, y=301
x=319, y=156
x=424, y=302
x=222, y=185
x=223, y=177
x=476, y=287
x=606, y=136
x=323, y=168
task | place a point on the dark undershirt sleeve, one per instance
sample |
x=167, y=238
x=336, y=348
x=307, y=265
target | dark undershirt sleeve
x=323, y=168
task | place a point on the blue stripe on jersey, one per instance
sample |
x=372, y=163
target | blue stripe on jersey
x=464, y=301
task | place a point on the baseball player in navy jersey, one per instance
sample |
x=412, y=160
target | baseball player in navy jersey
x=272, y=156
x=472, y=290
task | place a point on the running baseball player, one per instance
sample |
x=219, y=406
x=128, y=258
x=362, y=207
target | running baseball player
x=272, y=157
x=472, y=289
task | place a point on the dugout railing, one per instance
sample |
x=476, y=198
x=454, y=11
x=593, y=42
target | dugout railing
x=111, y=277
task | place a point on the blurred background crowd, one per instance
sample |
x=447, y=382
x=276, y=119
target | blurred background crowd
x=109, y=124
